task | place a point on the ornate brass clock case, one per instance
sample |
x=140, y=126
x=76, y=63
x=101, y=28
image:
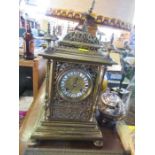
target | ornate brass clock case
x=75, y=71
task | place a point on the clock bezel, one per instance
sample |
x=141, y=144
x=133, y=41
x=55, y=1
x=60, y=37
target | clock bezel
x=79, y=99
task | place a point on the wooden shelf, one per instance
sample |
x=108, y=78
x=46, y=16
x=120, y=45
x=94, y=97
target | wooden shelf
x=38, y=66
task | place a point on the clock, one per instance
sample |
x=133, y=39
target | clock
x=74, y=85
x=74, y=76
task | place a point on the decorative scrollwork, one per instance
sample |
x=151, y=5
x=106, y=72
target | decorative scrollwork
x=83, y=37
x=62, y=109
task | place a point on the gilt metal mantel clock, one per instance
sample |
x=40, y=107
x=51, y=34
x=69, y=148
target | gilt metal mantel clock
x=75, y=72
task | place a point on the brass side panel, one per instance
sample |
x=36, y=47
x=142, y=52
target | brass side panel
x=97, y=89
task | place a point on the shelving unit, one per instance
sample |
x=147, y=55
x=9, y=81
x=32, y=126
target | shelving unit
x=38, y=66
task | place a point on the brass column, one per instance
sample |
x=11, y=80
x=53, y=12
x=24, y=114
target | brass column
x=97, y=89
x=51, y=85
x=47, y=102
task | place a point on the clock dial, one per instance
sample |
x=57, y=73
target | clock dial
x=74, y=85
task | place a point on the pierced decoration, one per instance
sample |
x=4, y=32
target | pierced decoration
x=81, y=37
x=80, y=105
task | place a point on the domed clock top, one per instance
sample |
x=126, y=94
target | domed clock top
x=81, y=36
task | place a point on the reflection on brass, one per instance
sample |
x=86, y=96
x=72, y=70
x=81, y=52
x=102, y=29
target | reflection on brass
x=98, y=143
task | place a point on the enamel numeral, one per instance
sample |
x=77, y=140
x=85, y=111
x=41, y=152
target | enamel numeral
x=74, y=85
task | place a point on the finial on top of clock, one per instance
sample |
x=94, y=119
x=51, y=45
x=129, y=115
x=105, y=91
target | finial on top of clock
x=50, y=37
x=89, y=19
x=92, y=7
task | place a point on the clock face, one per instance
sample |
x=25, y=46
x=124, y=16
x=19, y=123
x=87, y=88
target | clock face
x=74, y=85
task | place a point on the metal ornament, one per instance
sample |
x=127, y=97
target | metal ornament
x=111, y=106
x=92, y=7
x=75, y=72
x=50, y=37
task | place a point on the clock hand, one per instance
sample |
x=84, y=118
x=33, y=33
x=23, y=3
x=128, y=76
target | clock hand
x=74, y=85
x=75, y=82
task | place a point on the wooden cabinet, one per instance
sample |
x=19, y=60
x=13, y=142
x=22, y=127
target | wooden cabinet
x=38, y=66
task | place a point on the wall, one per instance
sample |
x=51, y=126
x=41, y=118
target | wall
x=121, y=9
